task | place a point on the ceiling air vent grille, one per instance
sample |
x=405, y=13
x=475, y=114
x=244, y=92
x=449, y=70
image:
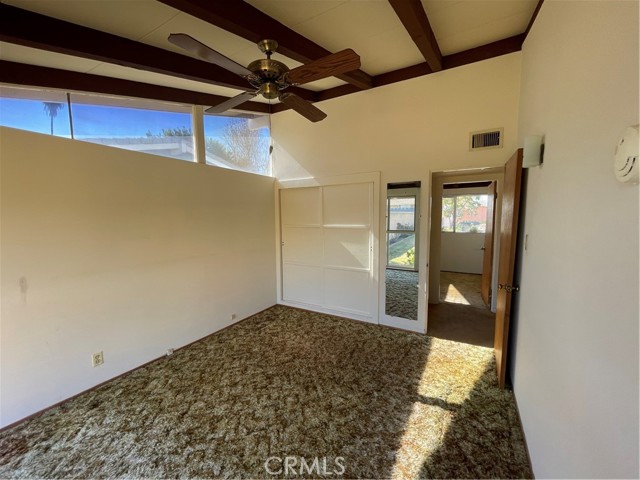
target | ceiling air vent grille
x=486, y=139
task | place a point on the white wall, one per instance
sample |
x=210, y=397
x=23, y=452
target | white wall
x=462, y=252
x=576, y=356
x=405, y=131
x=131, y=254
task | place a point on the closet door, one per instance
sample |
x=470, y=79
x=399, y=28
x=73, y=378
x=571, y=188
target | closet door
x=327, y=249
x=301, y=223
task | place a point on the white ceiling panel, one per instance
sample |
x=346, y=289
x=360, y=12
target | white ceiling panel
x=32, y=56
x=294, y=12
x=127, y=18
x=371, y=28
x=471, y=38
x=351, y=21
x=388, y=51
x=224, y=42
x=464, y=24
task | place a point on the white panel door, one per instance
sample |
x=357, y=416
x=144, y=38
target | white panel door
x=327, y=237
x=301, y=233
x=301, y=206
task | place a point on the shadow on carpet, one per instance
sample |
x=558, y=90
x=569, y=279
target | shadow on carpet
x=462, y=323
x=285, y=383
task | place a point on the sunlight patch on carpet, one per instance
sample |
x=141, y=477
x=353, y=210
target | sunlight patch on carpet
x=439, y=397
x=455, y=296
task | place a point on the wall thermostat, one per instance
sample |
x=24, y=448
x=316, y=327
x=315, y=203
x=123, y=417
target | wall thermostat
x=626, y=163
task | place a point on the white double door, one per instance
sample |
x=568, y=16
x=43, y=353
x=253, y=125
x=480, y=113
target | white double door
x=328, y=249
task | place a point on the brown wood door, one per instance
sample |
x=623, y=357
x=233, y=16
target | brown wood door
x=487, y=258
x=508, y=239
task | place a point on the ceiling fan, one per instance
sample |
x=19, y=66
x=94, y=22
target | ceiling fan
x=270, y=77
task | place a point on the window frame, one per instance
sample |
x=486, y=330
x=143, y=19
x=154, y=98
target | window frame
x=404, y=193
x=92, y=99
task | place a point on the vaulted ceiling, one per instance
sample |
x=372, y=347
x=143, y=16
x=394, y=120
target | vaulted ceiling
x=120, y=47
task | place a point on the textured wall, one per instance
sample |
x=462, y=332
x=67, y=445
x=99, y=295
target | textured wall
x=121, y=252
x=576, y=355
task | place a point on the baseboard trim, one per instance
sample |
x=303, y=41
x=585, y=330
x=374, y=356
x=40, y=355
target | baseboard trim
x=101, y=384
x=351, y=315
x=351, y=319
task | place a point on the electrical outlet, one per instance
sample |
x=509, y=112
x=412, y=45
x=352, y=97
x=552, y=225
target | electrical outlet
x=233, y=316
x=169, y=351
x=97, y=359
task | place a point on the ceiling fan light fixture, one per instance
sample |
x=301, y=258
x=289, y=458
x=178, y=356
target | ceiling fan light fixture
x=270, y=77
x=270, y=90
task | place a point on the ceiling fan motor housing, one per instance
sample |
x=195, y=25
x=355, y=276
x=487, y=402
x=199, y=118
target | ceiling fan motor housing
x=267, y=69
x=267, y=73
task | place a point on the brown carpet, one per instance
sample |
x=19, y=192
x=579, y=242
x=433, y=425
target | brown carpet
x=401, y=293
x=462, y=323
x=461, y=315
x=285, y=383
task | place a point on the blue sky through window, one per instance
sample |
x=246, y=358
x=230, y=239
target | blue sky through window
x=138, y=128
x=101, y=121
x=30, y=115
x=98, y=120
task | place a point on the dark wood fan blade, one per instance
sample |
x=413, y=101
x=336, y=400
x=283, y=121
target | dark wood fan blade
x=192, y=45
x=304, y=108
x=329, y=66
x=232, y=102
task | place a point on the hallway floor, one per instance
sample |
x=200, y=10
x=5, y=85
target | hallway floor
x=461, y=315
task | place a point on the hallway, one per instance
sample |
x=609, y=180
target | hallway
x=461, y=315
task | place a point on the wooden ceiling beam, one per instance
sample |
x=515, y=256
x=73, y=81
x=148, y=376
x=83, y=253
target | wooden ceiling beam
x=32, y=75
x=485, y=52
x=248, y=22
x=33, y=30
x=30, y=29
x=534, y=15
x=412, y=15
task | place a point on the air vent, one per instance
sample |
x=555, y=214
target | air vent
x=486, y=139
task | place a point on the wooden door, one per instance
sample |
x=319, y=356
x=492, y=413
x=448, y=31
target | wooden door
x=508, y=239
x=487, y=258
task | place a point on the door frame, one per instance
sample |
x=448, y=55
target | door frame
x=422, y=248
x=438, y=178
x=372, y=177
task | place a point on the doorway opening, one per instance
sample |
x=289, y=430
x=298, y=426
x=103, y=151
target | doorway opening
x=402, y=240
x=464, y=238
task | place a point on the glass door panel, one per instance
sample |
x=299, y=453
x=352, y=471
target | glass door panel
x=401, y=231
